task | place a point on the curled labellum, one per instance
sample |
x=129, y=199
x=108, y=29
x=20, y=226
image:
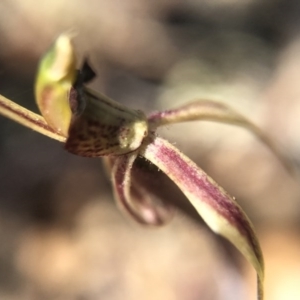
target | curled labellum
x=134, y=192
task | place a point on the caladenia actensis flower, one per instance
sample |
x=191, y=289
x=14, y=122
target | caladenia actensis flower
x=92, y=125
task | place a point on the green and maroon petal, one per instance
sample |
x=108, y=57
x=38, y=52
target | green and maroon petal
x=218, y=209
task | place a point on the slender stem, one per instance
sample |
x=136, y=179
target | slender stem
x=27, y=118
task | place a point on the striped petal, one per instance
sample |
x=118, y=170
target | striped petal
x=220, y=211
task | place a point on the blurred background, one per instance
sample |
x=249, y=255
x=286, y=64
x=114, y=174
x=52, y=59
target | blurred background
x=61, y=235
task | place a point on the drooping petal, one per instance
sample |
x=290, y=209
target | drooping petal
x=56, y=74
x=27, y=118
x=133, y=198
x=220, y=211
x=214, y=111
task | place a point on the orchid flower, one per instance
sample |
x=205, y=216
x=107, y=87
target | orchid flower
x=92, y=125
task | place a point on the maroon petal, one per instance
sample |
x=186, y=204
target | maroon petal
x=218, y=112
x=132, y=197
x=220, y=211
x=199, y=110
